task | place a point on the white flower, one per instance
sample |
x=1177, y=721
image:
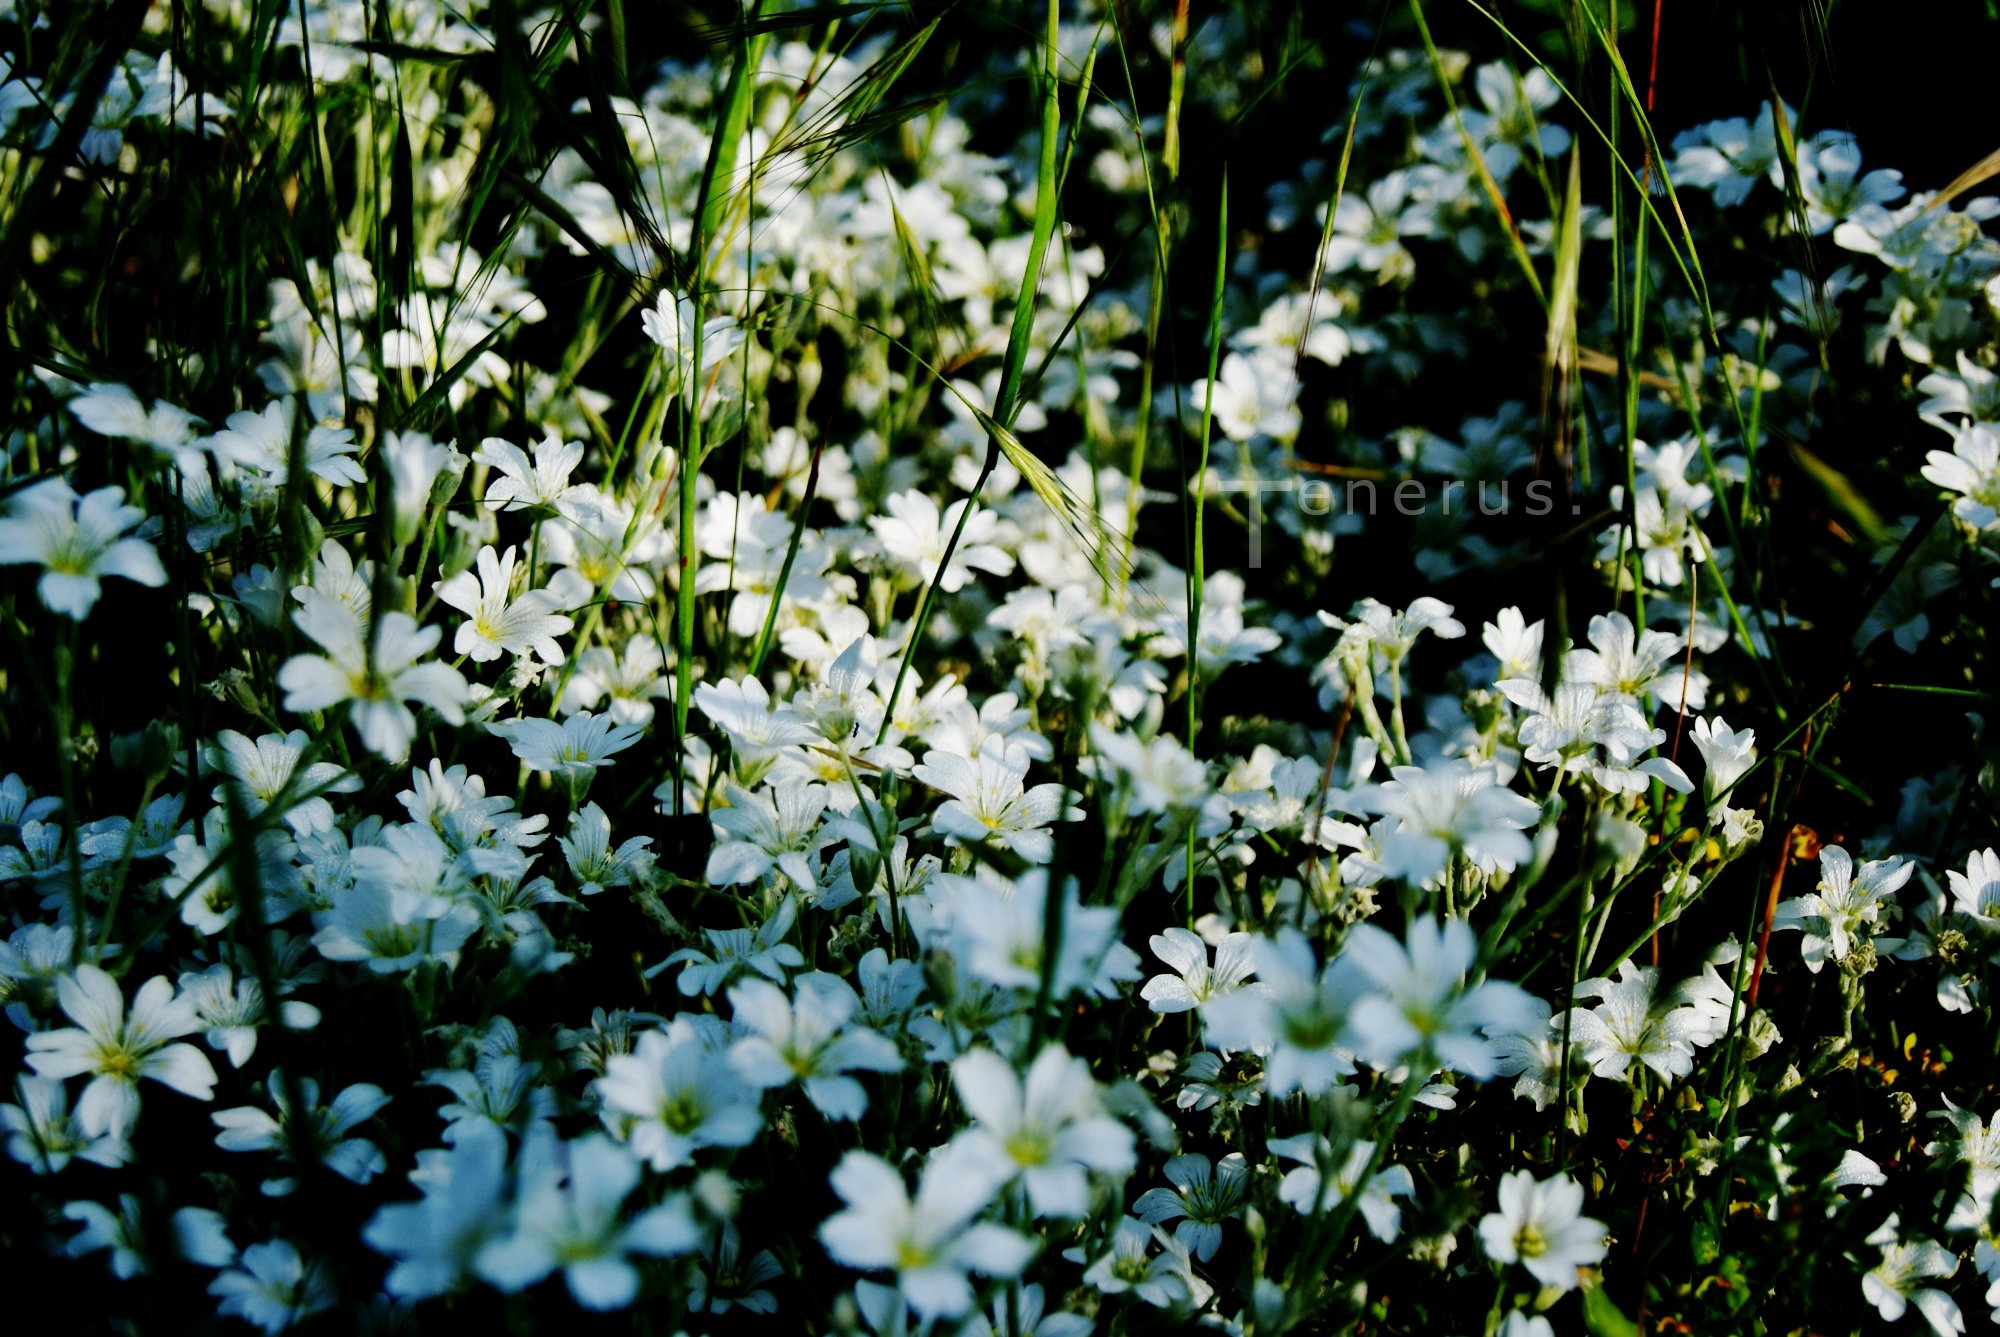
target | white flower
x=1628, y=1024
x=123, y=1233
x=1624, y=662
x=1194, y=981
x=1390, y=633
x=231, y=1010
x=1730, y=156
x=525, y=486
x=1159, y=776
x=44, y=1136
x=1976, y=891
x=323, y=1128
x=117, y=1049
x=335, y=575
x=1727, y=754
x=1833, y=186
x=1451, y=808
x=1303, y=1190
x=1418, y=1002
x=414, y=864
x=434, y=1240
x=808, y=1040
x=1893, y=1284
x=631, y=682
x=728, y=1283
x=1508, y=130
x=268, y=768
x=418, y=470
x=573, y=749
x=1049, y=621
x=989, y=800
x=1541, y=1226
x=204, y=877
x=570, y=1215
x=929, y=1241
x=743, y=710
x=110, y=409
x=674, y=1094
x=263, y=442
x=1972, y=392
x=1578, y=719
x=997, y=934
x=32, y=959
x=1050, y=1130
x=1368, y=229
x=1203, y=1196
x=1532, y=1055
x=496, y=626
x=1255, y=396
x=592, y=860
x=1207, y=1086
x=756, y=835
x=1165, y=1281
x=1292, y=797
x=1849, y=905
x=604, y=548
x=18, y=803
x=1299, y=1016
x=368, y=924
x=1977, y=1147
x=273, y=1287
x=764, y=951
x=1515, y=642
x=501, y=1089
x=76, y=540
x=671, y=324
x=914, y=534
x=375, y=689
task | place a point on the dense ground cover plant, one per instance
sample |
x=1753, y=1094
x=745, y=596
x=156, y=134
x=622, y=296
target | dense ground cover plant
x=847, y=667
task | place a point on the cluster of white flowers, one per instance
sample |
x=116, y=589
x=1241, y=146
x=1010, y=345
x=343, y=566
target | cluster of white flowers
x=805, y=581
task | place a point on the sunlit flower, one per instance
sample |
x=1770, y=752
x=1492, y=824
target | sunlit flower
x=1432, y=814
x=1194, y=981
x=757, y=834
x=1850, y=905
x=914, y=533
x=1299, y=1016
x=542, y=483
x=573, y=749
x=264, y=442
x=989, y=800
x=1896, y=1283
x=267, y=769
x=498, y=623
x=1418, y=1000
x=1541, y=1226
